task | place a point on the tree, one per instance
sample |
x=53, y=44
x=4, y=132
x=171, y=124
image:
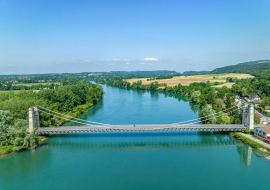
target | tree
x=19, y=137
x=211, y=97
x=235, y=88
x=208, y=114
x=5, y=123
x=244, y=92
x=154, y=85
x=219, y=103
x=195, y=96
x=256, y=120
x=228, y=101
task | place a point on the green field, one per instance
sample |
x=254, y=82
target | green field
x=228, y=85
x=7, y=91
x=30, y=84
x=232, y=75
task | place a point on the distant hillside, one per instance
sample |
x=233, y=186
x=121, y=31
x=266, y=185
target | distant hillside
x=255, y=68
x=195, y=72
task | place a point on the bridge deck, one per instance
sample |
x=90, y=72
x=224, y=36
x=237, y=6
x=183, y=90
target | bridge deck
x=131, y=128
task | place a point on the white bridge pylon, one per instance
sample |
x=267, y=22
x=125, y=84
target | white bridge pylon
x=247, y=123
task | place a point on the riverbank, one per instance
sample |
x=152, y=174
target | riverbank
x=252, y=141
x=4, y=150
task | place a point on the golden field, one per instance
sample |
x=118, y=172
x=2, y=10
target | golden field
x=184, y=80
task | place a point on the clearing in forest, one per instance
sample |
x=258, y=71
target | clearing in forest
x=184, y=80
x=228, y=84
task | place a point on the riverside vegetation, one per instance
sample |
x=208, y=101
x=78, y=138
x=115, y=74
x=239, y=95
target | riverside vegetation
x=249, y=141
x=72, y=98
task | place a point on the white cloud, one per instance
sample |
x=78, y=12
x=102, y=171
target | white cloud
x=126, y=66
x=127, y=63
x=112, y=64
x=10, y=65
x=149, y=59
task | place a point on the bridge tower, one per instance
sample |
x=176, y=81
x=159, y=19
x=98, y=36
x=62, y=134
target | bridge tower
x=248, y=116
x=33, y=118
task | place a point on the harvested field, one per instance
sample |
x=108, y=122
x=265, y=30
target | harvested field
x=184, y=80
x=229, y=85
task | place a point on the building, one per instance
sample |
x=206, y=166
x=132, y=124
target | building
x=267, y=108
x=253, y=97
x=262, y=119
x=262, y=132
x=215, y=93
x=257, y=102
x=237, y=98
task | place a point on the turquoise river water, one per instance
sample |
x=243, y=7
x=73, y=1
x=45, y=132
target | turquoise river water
x=121, y=161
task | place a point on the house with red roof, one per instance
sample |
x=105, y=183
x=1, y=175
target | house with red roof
x=263, y=133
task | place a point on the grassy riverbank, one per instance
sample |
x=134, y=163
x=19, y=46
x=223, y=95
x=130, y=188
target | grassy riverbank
x=6, y=149
x=250, y=142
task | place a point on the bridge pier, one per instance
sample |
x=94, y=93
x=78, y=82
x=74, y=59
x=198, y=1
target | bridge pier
x=248, y=116
x=33, y=118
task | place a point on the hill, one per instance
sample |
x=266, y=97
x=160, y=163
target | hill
x=196, y=72
x=255, y=68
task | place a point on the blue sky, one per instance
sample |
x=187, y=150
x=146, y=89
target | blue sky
x=48, y=36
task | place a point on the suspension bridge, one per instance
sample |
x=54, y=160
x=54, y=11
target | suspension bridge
x=95, y=127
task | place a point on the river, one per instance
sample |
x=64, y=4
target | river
x=154, y=160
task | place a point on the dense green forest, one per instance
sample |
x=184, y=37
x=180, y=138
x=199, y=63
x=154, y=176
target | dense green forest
x=255, y=68
x=71, y=98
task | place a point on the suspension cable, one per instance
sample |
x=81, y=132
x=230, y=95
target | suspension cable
x=73, y=117
x=210, y=118
x=206, y=116
x=65, y=118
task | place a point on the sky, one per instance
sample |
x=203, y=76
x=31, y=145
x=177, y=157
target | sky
x=63, y=36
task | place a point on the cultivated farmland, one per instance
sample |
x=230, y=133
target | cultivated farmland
x=184, y=80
